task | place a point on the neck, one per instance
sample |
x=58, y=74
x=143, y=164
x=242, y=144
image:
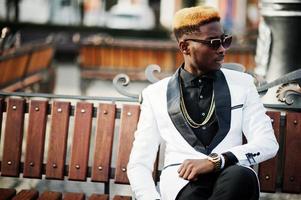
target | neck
x=193, y=70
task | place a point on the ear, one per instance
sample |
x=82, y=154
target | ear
x=184, y=47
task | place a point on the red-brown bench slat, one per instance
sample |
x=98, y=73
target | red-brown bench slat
x=57, y=146
x=40, y=59
x=74, y=196
x=1, y=115
x=92, y=57
x=99, y=197
x=7, y=193
x=98, y=58
x=84, y=61
x=35, y=139
x=129, y=118
x=50, y=195
x=81, y=142
x=48, y=54
x=292, y=162
x=12, y=146
x=2, y=69
x=103, y=142
x=15, y=68
x=119, y=197
x=27, y=195
x=268, y=169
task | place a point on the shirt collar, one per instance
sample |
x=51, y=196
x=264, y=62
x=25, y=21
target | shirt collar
x=192, y=80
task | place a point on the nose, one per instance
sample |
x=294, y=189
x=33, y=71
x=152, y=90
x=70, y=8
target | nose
x=221, y=49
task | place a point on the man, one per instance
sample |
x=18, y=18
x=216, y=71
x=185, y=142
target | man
x=201, y=114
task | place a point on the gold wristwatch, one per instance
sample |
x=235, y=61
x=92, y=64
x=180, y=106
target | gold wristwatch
x=216, y=160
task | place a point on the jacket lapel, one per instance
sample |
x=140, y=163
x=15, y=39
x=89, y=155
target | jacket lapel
x=174, y=111
x=222, y=108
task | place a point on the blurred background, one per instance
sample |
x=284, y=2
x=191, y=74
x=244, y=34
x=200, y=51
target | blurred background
x=102, y=38
x=98, y=16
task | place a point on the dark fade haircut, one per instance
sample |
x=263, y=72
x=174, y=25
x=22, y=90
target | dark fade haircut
x=188, y=20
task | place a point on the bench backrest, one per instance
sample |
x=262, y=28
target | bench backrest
x=25, y=66
x=283, y=170
x=40, y=115
x=91, y=157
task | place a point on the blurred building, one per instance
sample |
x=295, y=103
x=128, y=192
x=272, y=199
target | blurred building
x=74, y=20
x=129, y=14
x=237, y=15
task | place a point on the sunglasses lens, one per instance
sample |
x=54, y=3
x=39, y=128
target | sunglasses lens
x=227, y=42
x=215, y=44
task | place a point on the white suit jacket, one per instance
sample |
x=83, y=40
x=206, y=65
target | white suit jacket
x=239, y=111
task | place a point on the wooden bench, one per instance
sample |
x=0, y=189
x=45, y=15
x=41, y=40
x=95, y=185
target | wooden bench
x=26, y=66
x=90, y=128
x=108, y=57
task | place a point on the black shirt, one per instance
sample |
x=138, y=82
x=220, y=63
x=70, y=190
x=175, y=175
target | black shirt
x=197, y=94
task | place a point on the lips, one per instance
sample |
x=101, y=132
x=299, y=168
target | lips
x=220, y=58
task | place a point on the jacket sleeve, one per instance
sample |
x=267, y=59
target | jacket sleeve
x=143, y=154
x=261, y=142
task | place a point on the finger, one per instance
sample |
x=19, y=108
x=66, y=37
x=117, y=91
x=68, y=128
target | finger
x=180, y=168
x=183, y=168
x=191, y=175
x=187, y=172
x=182, y=172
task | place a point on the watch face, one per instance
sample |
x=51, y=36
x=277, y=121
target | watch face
x=214, y=157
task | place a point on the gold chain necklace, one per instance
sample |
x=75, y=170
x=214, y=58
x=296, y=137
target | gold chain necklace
x=190, y=121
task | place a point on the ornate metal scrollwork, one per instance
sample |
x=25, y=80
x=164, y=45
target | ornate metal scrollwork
x=149, y=72
x=124, y=80
x=287, y=93
x=291, y=77
x=121, y=81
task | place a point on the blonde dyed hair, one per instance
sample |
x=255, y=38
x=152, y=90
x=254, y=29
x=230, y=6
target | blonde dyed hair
x=188, y=20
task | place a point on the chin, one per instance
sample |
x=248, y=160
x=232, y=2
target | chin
x=217, y=65
x=219, y=62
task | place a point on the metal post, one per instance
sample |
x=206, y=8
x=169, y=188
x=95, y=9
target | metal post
x=280, y=32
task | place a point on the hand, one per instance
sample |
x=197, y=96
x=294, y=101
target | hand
x=191, y=168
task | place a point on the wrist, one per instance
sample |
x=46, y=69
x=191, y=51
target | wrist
x=211, y=167
x=223, y=161
x=216, y=160
x=230, y=159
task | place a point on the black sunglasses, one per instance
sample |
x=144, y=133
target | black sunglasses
x=215, y=43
